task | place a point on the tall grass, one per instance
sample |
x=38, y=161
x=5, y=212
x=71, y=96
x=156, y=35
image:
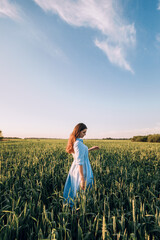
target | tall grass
x=124, y=202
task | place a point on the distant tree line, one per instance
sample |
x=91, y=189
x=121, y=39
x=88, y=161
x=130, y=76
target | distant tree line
x=13, y=138
x=44, y=138
x=109, y=138
x=148, y=138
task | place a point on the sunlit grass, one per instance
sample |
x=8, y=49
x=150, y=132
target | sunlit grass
x=124, y=202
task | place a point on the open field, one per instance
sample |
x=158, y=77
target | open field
x=123, y=204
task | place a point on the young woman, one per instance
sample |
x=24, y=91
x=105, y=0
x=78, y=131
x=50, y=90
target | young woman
x=80, y=174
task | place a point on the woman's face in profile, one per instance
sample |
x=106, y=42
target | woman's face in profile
x=82, y=133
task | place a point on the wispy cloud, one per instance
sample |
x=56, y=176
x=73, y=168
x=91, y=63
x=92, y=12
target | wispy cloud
x=134, y=132
x=115, y=54
x=37, y=36
x=11, y=10
x=158, y=37
x=102, y=15
x=34, y=34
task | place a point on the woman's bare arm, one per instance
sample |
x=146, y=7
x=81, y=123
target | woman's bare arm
x=81, y=172
x=93, y=148
x=82, y=184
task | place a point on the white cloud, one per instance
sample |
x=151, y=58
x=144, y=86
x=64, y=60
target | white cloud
x=158, y=5
x=133, y=132
x=8, y=9
x=158, y=37
x=115, y=54
x=102, y=15
x=13, y=11
x=48, y=46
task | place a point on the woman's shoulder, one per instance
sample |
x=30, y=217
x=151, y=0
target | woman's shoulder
x=78, y=142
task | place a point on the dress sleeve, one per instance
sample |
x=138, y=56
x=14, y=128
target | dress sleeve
x=79, y=153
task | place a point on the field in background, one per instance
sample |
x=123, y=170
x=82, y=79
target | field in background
x=123, y=204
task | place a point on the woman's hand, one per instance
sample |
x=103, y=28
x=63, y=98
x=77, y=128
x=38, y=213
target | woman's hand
x=93, y=148
x=82, y=184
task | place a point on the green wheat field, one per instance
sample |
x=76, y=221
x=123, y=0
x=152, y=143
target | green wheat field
x=124, y=202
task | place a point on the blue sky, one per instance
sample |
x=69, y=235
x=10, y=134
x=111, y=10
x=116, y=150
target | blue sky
x=68, y=61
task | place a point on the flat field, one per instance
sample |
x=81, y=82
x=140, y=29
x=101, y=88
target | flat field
x=124, y=202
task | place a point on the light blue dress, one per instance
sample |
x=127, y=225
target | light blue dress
x=73, y=180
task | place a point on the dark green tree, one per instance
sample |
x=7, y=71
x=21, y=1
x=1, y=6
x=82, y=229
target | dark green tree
x=149, y=138
x=1, y=136
x=154, y=138
x=139, y=139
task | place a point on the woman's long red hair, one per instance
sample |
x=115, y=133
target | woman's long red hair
x=74, y=135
